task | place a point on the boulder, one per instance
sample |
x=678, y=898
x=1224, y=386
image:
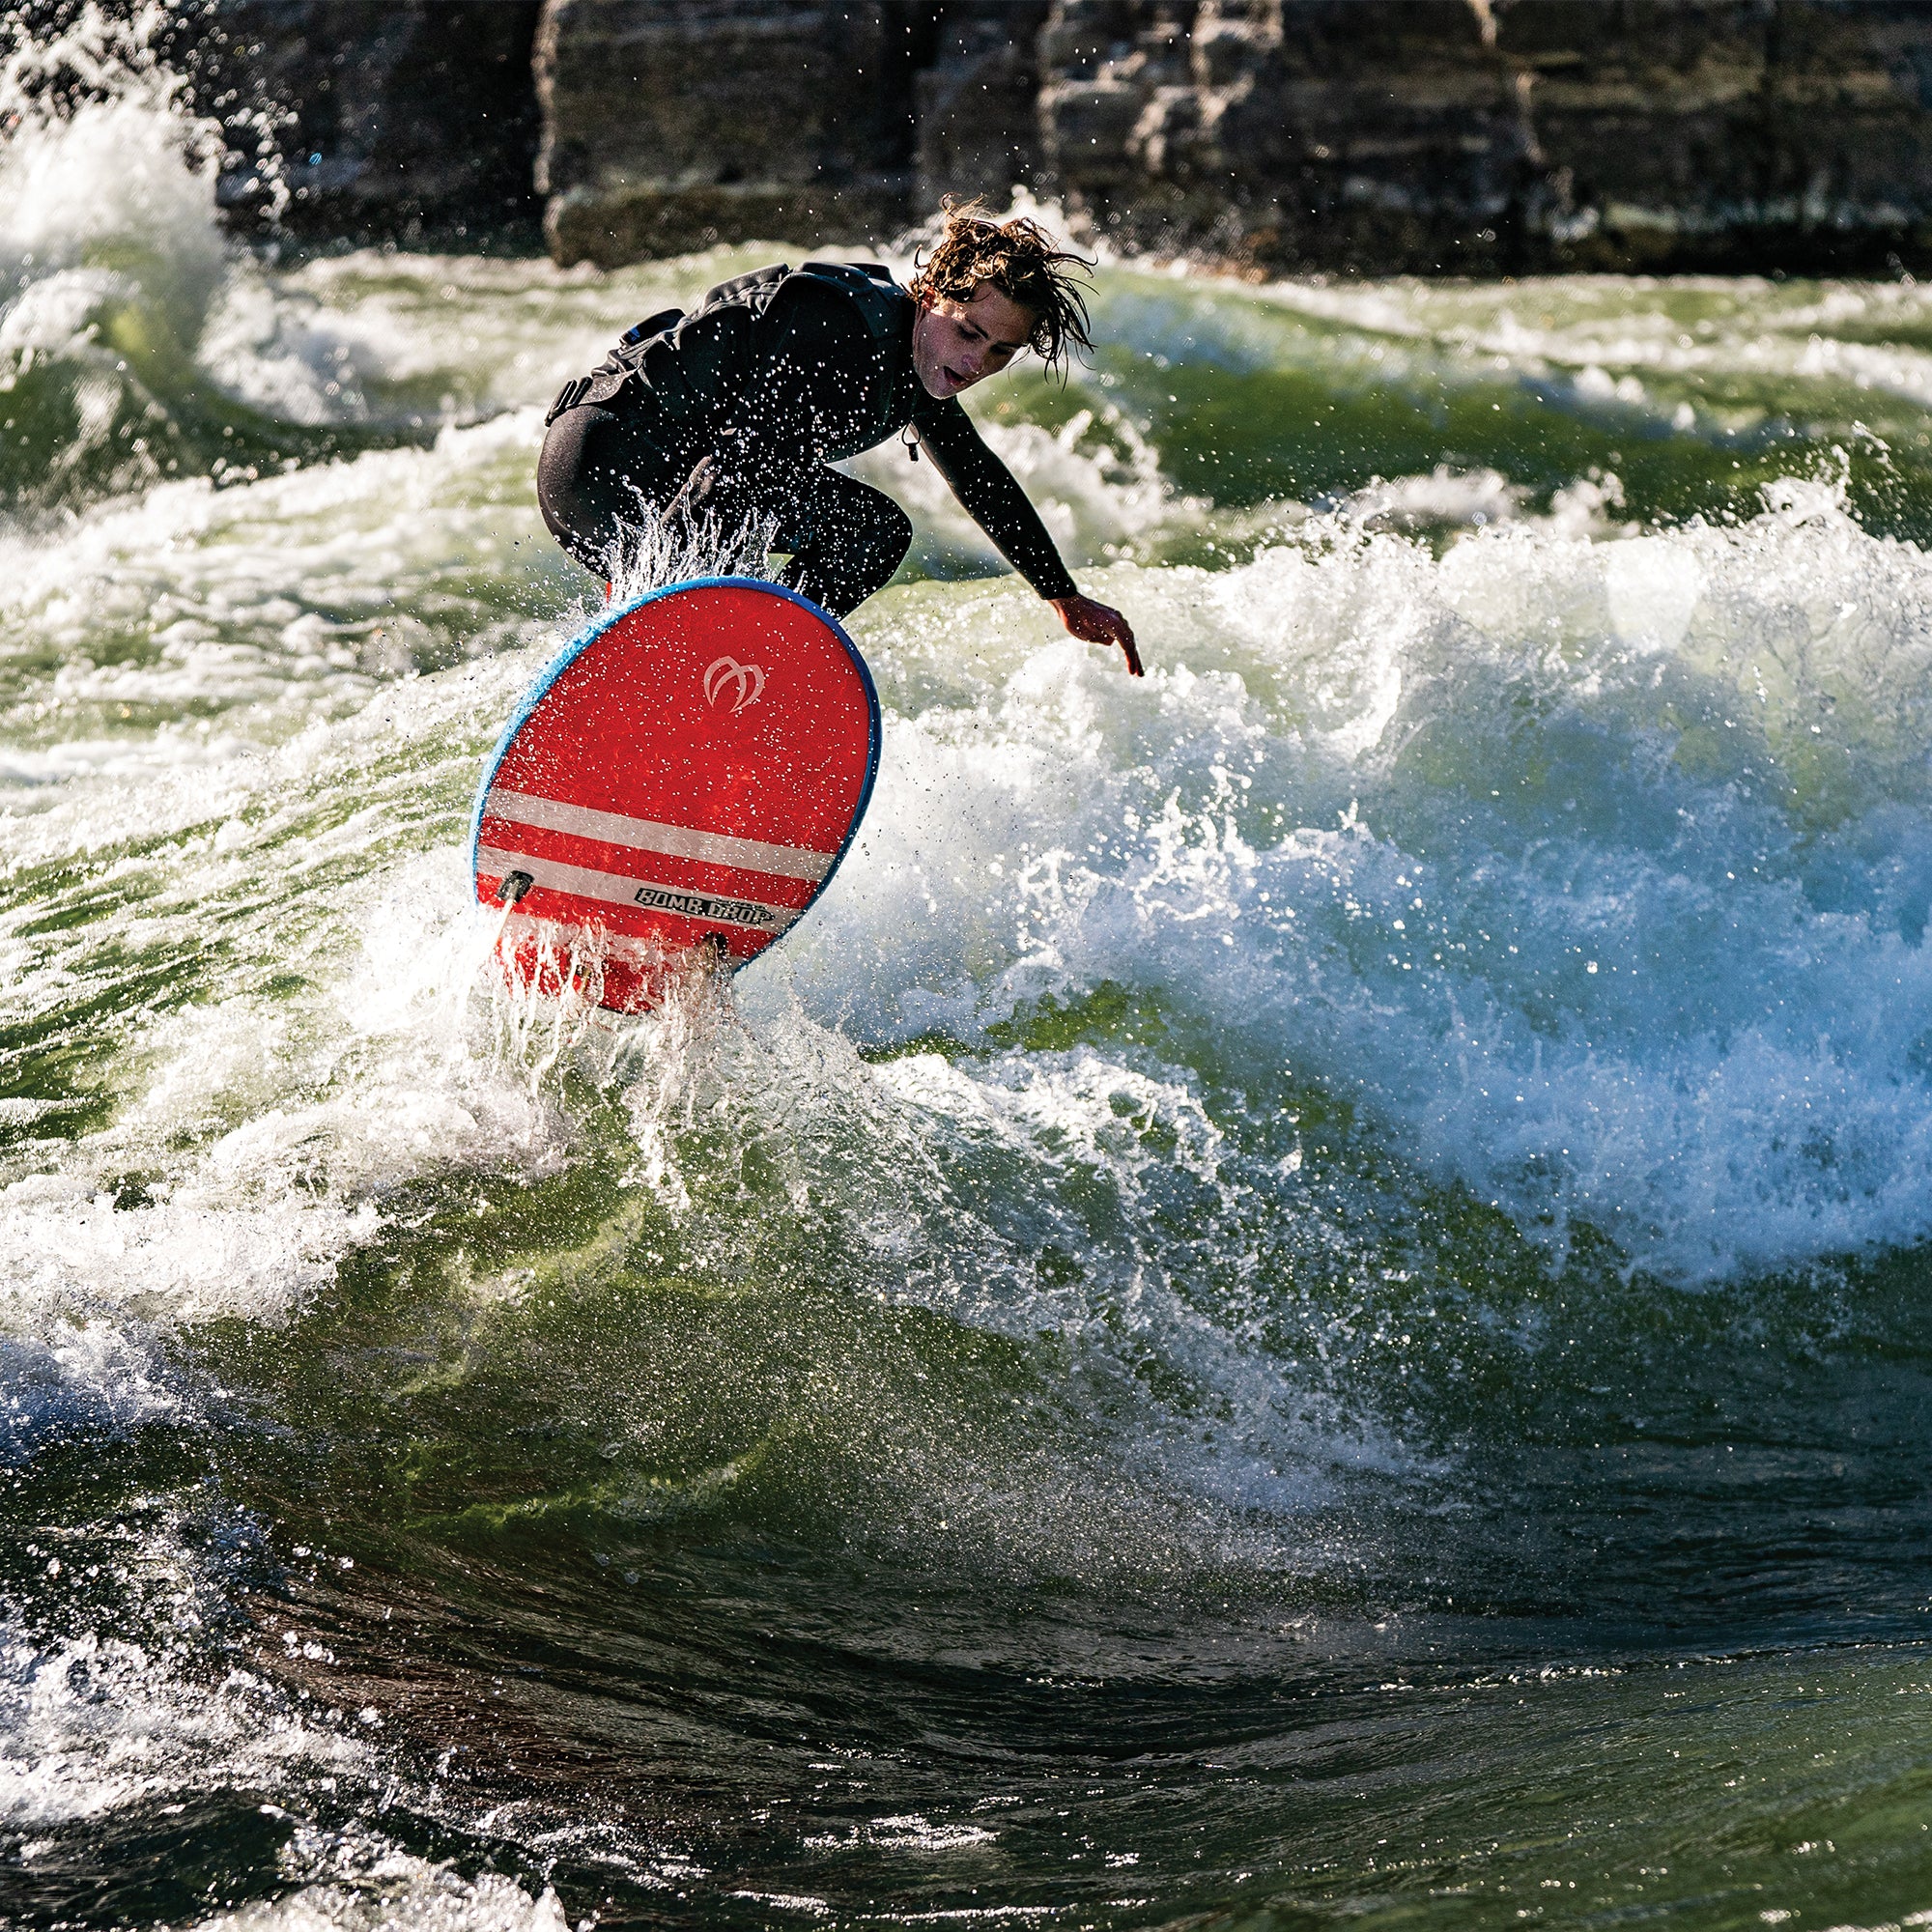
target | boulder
x=673, y=123
x=1486, y=136
x=372, y=119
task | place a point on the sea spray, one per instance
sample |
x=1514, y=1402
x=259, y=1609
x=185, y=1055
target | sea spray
x=1588, y=814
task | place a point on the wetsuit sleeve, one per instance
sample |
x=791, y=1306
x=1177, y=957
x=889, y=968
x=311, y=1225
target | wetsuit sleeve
x=993, y=498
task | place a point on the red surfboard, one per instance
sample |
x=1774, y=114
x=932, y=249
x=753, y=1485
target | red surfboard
x=687, y=775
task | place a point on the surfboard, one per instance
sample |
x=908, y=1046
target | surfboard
x=680, y=784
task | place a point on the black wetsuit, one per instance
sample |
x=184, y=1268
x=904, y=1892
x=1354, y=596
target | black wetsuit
x=775, y=375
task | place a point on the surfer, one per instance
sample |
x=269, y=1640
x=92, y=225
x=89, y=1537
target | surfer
x=740, y=408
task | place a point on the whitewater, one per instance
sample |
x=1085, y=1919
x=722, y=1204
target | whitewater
x=1300, y=1299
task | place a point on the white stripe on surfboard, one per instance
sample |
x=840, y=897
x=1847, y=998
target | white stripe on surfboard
x=614, y=888
x=646, y=835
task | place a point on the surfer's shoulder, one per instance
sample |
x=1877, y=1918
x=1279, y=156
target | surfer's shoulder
x=816, y=308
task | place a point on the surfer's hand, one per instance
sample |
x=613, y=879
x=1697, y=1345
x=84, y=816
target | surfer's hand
x=1099, y=624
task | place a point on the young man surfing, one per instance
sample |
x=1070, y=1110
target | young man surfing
x=740, y=408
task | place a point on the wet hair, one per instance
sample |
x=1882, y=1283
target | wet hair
x=1019, y=258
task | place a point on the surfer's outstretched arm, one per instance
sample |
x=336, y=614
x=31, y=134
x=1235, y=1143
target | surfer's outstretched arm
x=991, y=495
x=992, y=290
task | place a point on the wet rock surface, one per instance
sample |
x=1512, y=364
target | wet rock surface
x=668, y=126
x=372, y=118
x=1478, y=137
x=1466, y=136
x=1474, y=136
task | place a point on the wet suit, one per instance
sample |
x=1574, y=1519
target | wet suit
x=775, y=376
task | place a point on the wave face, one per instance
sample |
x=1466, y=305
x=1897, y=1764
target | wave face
x=1301, y=1298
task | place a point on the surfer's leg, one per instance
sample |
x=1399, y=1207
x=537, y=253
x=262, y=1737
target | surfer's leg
x=593, y=477
x=849, y=539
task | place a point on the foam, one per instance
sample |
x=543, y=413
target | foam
x=94, y=1727
x=192, y=1258
x=911, y=1832
x=267, y=1139
x=1446, y=496
x=1692, y=356
x=114, y=171
x=1648, y=815
x=93, y=1724
x=1587, y=877
x=90, y=1379
x=401, y=1894
x=1036, y=1193
x=239, y=633
x=1040, y=824
x=123, y=297
x=1095, y=481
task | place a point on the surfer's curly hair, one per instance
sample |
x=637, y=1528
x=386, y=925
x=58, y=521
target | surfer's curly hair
x=1020, y=258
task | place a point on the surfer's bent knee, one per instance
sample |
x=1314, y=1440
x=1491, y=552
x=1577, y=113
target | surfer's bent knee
x=589, y=479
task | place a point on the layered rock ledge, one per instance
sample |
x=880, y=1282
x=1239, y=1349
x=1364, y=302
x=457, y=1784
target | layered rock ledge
x=1474, y=136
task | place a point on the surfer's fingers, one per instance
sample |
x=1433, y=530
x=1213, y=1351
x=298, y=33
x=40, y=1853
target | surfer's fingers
x=1095, y=623
x=1110, y=627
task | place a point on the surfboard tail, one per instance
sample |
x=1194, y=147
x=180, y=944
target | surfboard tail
x=597, y=969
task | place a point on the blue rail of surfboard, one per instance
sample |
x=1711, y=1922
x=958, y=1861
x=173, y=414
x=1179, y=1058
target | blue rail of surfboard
x=572, y=652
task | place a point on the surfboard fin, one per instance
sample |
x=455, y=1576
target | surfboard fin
x=512, y=887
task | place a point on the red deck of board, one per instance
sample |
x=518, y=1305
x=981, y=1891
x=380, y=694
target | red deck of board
x=689, y=778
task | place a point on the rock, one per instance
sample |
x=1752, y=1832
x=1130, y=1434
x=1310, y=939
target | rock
x=372, y=118
x=975, y=101
x=1468, y=136
x=1484, y=136
x=1796, y=136
x=673, y=123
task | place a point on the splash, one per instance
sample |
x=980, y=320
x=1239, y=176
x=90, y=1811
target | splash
x=1181, y=1161
x=1592, y=919
x=658, y=548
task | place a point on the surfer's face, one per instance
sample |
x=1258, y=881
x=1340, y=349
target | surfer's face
x=956, y=343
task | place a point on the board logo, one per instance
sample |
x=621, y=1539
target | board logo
x=726, y=677
x=702, y=905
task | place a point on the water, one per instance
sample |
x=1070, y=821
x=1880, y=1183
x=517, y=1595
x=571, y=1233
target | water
x=1300, y=1300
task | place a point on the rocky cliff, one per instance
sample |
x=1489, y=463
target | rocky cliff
x=417, y=108
x=668, y=123
x=1459, y=135
x=369, y=119
x=1480, y=136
